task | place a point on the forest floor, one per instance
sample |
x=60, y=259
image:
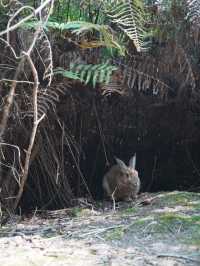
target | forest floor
x=160, y=229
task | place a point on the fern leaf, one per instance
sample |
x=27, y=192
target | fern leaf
x=106, y=37
x=47, y=98
x=46, y=54
x=93, y=73
x=95, y=76
x=66, y=74
x=129, y=16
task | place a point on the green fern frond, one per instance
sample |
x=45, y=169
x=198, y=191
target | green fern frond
x=129, y=16
x=94, y=73
x=66, y=73
x=106, y=36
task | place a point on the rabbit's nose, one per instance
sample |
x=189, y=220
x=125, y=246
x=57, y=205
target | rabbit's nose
x=129, y=178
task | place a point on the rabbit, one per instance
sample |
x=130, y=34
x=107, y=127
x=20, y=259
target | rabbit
x=122, y=182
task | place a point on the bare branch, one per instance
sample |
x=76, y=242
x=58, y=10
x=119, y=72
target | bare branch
x=36, y=122
x=11, y=48
x=9, y=100
x=14, y=16
x=17, y=81
x=16, y=147
x=33, y=14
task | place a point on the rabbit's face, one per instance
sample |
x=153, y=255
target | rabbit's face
x=127, y=176
x=127, y=173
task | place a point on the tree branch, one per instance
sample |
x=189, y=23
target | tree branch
x=36, y=122
x=9, y=100
x=34, y=13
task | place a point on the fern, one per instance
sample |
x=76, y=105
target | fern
x=129, y=16
x=48, y=98
x=46, y=57
x=144, y=82
x=134, y=79
x=94, y=73
x=99, y=73
x=66, y=73
x=106, y=36
x=193, y=10
x=46, y=101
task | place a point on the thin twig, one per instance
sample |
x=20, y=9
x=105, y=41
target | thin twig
x=17, y=148
x=13, y=17
x=17, y=81
x=178, y=257
x=33, y=14
x=153, y=172
x=113, y=199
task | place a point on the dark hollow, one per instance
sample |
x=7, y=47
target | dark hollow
x=99, y=128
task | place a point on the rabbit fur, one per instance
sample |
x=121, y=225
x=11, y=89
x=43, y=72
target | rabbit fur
x=122, y=182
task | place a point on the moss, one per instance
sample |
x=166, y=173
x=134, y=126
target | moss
x=185, y=228
x=140, y=224
x=81, y=212
x=194, y=237
x=195, y=205
x=180, y=198
x=193, y=241
x=144, y=220
x=171, y=218
x=129, y=210
x=196, y=219
x=76, y=211
x=115, y=233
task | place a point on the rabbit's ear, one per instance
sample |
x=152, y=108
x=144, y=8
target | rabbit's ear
x=121, y=163
x=132, y=162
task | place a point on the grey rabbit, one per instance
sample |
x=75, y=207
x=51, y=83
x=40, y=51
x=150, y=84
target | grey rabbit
x=122, y=182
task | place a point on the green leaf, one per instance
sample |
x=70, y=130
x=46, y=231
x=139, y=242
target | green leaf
x=98, y=73
x=66, y=73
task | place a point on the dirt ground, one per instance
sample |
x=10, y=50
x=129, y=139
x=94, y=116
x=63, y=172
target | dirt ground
x=160, y=229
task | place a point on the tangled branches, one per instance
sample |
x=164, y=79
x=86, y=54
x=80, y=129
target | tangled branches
x=38, y=40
